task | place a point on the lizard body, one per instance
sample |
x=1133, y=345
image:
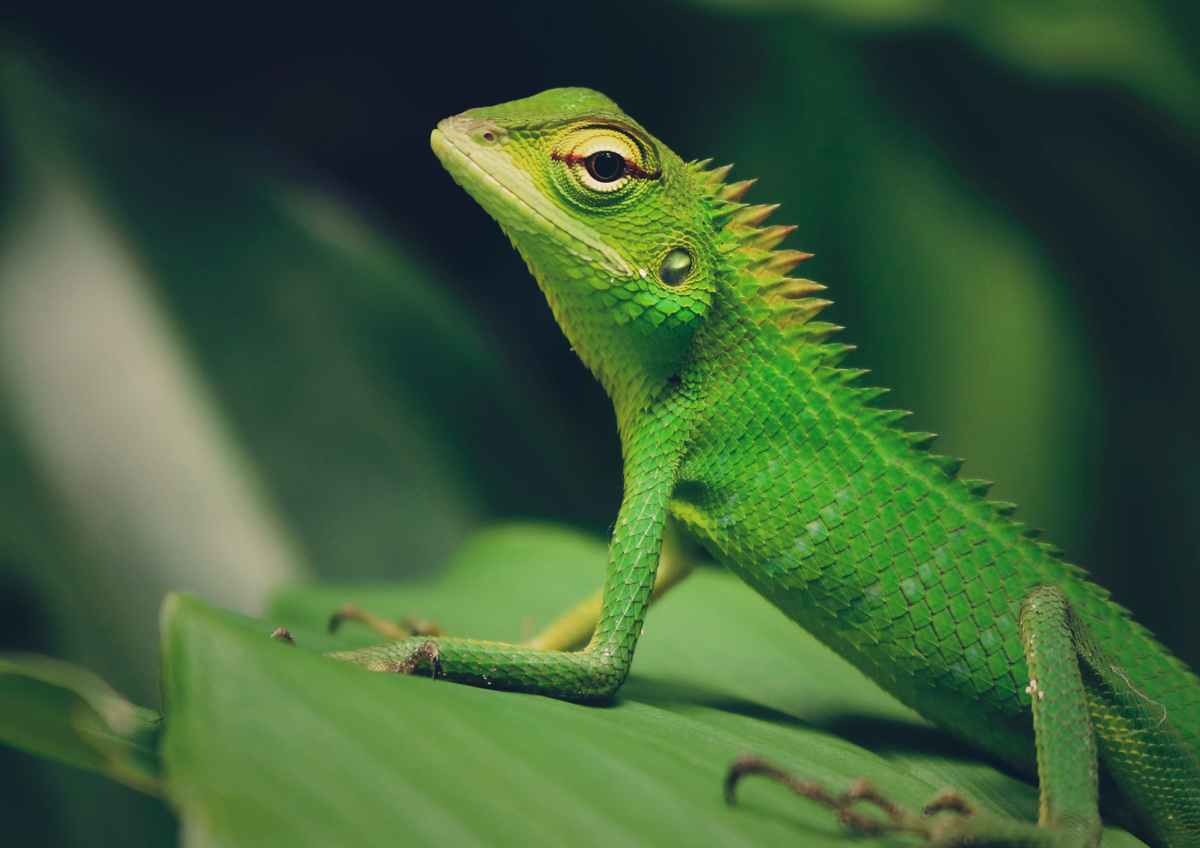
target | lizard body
x=738, y=423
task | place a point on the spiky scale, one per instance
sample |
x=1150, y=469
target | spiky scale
x=734, y=192
x=781, y=261
x=872, y=394
x=949, y=465
x=833, y=354
x=920, y=441
x=715, y=177
x=768, y=237
x=978, y=488
x=803, y=309
x=752, y=216
x=722, y=215
x=791, y=288
x=816, y=332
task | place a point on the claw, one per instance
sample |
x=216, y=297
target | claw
x=426, y=653
x=899, y=820
x=964, y=827
x=859, y=790
x=411, y=626
x=417, y=627
x=353, y=612
x=948, y=801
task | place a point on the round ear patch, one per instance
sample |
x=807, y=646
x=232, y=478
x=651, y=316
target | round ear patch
x=675, y=267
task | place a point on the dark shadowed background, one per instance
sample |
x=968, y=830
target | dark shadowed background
x=251, y=333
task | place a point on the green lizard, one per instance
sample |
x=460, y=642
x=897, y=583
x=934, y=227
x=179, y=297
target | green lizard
x=740, y=430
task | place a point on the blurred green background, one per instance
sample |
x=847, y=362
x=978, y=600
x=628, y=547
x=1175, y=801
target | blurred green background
x=251, y=333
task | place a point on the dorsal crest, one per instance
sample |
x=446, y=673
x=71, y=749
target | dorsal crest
x=792, y=305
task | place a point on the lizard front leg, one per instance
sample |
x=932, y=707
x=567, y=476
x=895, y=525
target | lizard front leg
x=574, y=630
x=571, y=632
x=594, y=672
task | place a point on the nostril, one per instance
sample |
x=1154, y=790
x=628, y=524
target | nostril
x=489, y=136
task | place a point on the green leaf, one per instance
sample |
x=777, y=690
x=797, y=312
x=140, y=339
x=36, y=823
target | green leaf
x=66, y=713
x=268, y=743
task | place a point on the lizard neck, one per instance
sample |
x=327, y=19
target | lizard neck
x=633, y=369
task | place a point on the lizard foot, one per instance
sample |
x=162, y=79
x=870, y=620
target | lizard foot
x=953, y=829
x=426, y=654
x=411, y=626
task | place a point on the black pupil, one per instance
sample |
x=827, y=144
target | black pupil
x=605, y=166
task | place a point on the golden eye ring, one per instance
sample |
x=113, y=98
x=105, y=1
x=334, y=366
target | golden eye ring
x=602, y=165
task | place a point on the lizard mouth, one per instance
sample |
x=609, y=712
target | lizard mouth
x=510, y=196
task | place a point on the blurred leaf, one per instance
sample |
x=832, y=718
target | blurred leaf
x=1135, y=45
x=64, y=712
x=216, y=375
x=269, y=743
x=141, y=484
x=380, y=416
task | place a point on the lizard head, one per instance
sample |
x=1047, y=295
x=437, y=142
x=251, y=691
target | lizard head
x=609, y=221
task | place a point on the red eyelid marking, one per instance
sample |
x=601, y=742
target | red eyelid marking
x=632, y=168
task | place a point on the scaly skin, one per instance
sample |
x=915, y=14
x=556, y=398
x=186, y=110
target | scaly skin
x=737, y=421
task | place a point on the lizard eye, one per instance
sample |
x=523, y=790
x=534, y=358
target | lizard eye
x=605, y=166
x=597, y=165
